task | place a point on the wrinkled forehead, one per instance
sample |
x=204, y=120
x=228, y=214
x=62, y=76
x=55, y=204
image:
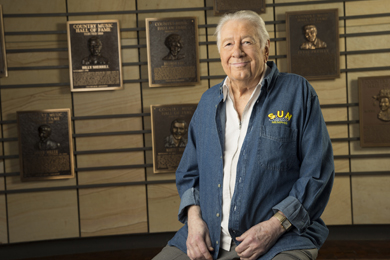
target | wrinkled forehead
x=243, y=26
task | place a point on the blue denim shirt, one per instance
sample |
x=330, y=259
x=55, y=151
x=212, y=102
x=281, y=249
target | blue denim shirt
x=286, y=164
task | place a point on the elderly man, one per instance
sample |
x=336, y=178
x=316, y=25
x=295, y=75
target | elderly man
x=258, y=169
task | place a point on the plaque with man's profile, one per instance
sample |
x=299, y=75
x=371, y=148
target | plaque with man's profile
x=313, y=43
x=3, y=57
x=169, y=134
x=229, y=6
x=45, y=144
x=95, y=61
x=172, y=47
x=374, y=111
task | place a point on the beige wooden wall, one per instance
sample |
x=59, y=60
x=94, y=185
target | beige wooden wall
x=115, y=192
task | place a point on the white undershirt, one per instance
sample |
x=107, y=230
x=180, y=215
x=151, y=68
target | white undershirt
x=235, y=132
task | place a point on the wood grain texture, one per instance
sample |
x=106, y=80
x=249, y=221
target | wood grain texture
x=163, y=204
x=370, y=199
x=339, y=211
x=3, y=220
x=42, y=216
x=113, y=211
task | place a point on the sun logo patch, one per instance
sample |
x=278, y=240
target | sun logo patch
x=280, y=117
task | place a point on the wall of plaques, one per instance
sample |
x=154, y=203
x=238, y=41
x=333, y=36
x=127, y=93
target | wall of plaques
x=115, y=190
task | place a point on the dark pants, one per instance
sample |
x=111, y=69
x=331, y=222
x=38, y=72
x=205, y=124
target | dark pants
x=173, y=253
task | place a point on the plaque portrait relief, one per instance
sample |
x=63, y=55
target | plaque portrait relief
x=383, y=98
x=172, y=49
x=230, y=6
x=313, y=44
x=45, y=144
x=95, y=58
x=374, y=111
x=94, y=55
x=169, y=134
x=3, y=57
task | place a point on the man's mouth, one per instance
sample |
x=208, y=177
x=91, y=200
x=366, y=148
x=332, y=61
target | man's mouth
x=239, y=64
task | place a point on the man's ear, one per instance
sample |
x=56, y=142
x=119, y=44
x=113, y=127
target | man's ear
x=266, y=50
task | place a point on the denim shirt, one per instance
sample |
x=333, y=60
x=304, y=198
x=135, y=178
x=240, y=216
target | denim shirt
x=285, y=163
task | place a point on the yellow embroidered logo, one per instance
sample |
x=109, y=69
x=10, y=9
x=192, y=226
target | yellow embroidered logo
x=280, y=117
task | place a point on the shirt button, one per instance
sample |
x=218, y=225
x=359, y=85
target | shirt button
x=217, y=214
x=219, y=185
x=217, y=242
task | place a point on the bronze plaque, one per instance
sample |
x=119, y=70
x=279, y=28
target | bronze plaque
x=313, y=43
x=3, y=57
x=230, y=6
x=169, y=134
x=94, y=55
x=374, y=111
x=45, y=144
x=173, y=58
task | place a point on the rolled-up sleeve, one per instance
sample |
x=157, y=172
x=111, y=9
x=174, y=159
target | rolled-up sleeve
x=187, y=174
x=310, y=193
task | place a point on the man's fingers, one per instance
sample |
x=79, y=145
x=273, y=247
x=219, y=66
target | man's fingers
x=197, y=249
x=203, y=249
x=208, y=243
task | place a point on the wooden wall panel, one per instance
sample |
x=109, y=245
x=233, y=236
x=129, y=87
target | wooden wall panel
x=341, y=165
x=2, y=179
x=163, y=205
x=112, y=211
x=42, y=215
x=21, y=24
x=3, y=220
x=353, y=8
x=338, y=210
x=370, y=199
x=125, y=20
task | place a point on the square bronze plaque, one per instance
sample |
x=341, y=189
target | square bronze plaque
x=169, y=134
x=94, y=55
x=229, y=6
x=173, y=58
x=45, y=144
x=313, y=43
x=3, y=57
x=374, y=111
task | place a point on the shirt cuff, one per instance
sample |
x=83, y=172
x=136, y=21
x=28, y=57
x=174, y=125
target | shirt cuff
x=190, y=197
x=294, y=212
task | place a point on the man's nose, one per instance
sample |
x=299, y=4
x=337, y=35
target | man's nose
x=238, y=51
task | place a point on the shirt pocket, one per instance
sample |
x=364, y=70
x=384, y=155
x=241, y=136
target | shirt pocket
x=277, y=147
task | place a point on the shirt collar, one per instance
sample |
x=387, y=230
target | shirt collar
x=226, y=83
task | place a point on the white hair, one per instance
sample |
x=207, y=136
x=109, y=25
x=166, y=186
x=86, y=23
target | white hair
x=244, y=15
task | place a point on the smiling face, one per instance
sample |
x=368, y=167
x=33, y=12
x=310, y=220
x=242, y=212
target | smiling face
x=311, y=33
x=241, y=55
x=178, y=130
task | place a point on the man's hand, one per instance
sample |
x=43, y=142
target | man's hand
x=198, y=240
x=257, y=240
